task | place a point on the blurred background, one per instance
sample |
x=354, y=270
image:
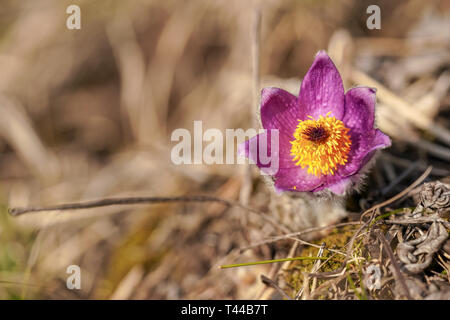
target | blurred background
x=88, y=113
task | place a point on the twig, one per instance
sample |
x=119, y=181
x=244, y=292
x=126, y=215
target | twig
x=399, y=195
x=325, y=285
x=328, y=274
x=316, y=246
x=432, y=148
x=256, y=39
x=389, y=169
x=398, y=274
x=271, y=283
x=405, y=109
x=400, y=178
x=421, y=165
x=297, y=234
x=352, y=241
x=245, y=191
x=143, y=200
x=125, y=201
x=276, y=271
x=419, y=220
x=316, y=268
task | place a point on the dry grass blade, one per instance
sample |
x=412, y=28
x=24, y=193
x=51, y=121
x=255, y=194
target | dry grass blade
x=272, y=284
x=398, y=273
x=399, y=195
x=403, y=107
x=127, y=201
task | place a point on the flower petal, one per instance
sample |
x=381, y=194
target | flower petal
x=279, y=110
x=322, y=90
x=359, y=118
x=286, y=174
x=359, y=157
x=263, y=151
x=362, y=147
x=360, y=109
x=381, y=140
x=282, y=150
x=288, y=178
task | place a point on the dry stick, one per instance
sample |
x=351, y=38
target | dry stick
x=421, y=165
x=271, y=283
x=313, y=270
x=316, y=267
x=432, y=148
x=144, y=200
x=420, y=220
x=122, y=201
x=244, y=195
x=402, y=107
x=399, y=195
x=400, y=178
x=398, y=274
x=316, y=246
x=314, y=229
x=139, y=200
x=297, y=234
x=304, y=291
x=266, y=295
x=256, y=39
x=326, y=284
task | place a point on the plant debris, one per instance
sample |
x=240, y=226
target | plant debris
x=403, y=256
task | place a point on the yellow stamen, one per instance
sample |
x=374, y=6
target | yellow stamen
x=321, y=145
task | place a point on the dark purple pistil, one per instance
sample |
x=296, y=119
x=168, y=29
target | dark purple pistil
x=316, y=134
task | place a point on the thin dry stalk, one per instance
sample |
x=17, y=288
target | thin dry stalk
x=403, y=107
x=398, y=274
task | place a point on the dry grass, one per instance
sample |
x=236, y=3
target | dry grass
x=88, y=114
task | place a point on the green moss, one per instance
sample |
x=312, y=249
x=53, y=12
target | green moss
x=337, y=239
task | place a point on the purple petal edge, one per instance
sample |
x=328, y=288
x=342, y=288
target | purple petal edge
x=279, y=110
x=360, y=109
x=322, y=90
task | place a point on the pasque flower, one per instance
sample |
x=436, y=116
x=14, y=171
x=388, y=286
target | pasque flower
x=326, y=136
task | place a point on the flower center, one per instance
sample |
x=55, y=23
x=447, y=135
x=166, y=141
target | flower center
x=321, y=145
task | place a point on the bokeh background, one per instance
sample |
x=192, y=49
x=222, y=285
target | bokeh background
x=86, y=114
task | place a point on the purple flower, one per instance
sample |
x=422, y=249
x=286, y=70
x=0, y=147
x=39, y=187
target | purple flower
x=326, y=136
